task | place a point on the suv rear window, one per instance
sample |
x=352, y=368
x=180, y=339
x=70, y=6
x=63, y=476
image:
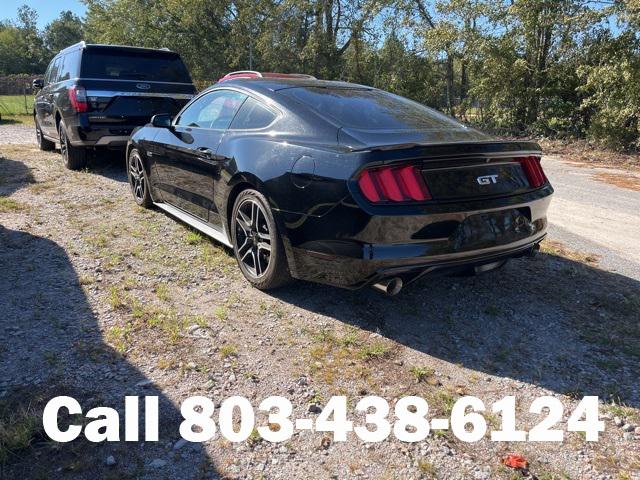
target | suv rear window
x=133, y=65
x=370, y=109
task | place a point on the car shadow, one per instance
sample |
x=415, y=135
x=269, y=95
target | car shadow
x=109, y=163
x=52, y=344
x=551, y=321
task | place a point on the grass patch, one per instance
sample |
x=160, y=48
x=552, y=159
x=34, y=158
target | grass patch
x=16, y=105
x=374, y=350
x=552, y=247
x=194, y=238
x=427, y=468
x=162, y=291
x=221, y=312
x=421, y=373
x=19, y=428
x=228, y=350
x=9, y=205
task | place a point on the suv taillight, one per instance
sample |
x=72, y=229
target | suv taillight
x=78, y=99
x=533, y=170
x=393, y=184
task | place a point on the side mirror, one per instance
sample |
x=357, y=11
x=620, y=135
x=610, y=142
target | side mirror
x=37, y=84
x=161, y=120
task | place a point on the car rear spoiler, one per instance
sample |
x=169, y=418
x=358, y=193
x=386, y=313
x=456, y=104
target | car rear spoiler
x=491, y=146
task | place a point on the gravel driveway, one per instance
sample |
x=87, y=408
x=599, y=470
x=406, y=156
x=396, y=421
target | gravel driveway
x=17, y=134
x=591, y=215
x=101, y=299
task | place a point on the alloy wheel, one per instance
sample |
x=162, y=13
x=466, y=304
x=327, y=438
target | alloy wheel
x=136, y=177
x=253, y=238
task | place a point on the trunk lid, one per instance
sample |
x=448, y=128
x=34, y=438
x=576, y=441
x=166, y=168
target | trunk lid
x=453, y=171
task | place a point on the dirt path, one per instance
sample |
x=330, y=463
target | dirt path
x=102, y=299
x=591, y=212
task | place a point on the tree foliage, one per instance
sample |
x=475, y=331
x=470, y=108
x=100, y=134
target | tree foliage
x=563, y=68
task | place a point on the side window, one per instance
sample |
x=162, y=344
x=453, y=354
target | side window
x=55, y=69
x=68, y=68
x=47, y=74
x=214, y=110
x=253, y=114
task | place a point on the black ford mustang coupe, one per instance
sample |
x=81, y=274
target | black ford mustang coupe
x=339, y=183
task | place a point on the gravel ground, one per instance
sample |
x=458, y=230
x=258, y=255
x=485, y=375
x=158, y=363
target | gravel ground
x=101, y=299
x=17, y=134
x=590, y=215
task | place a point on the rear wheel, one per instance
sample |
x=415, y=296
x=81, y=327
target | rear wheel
x=43, y=144
x=75, y=158
x=256, y=243
x=138, y=180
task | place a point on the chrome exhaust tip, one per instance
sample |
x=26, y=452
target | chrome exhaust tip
x=389, y=286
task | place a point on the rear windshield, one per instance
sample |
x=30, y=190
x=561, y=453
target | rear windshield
x=370, y=109
x=131, y=65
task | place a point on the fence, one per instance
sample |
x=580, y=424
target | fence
x=16, y=95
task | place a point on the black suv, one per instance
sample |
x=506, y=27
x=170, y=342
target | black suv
x=95, y=95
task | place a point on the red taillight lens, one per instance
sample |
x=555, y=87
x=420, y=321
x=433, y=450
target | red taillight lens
x=393, y=184
x=78, y=99
x=533, y=170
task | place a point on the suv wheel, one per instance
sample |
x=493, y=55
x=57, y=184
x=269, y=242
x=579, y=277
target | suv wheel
x=138, y=180
x=256, y=243
x=43, y=144
x=75, y=158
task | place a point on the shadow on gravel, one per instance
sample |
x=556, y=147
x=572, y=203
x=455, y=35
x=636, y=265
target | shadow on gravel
x=549, y=321
x=50, y=345
x=108, y=163
x=15, y=175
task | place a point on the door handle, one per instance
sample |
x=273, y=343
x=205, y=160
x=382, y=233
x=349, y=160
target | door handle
x=207, y=153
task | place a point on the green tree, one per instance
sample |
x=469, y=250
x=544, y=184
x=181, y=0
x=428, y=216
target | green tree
x=21, y=47
x=66, y=30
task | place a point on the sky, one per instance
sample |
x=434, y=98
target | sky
x=47, y=9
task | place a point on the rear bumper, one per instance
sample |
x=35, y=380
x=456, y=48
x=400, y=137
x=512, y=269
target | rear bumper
x=451, y=242
x=81, y=133
x=353, y=273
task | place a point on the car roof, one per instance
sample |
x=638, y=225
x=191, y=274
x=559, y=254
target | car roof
x=95, y=46
x=274, y=84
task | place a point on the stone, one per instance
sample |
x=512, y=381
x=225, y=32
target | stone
x=158, y=463
x=179, y=444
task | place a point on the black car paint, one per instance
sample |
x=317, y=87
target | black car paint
x=306, y=165
x=115, y=108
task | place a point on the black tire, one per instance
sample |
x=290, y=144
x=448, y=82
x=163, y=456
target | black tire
x=43, y=144
x=138, y=179
x=75, y=158
x=249, y=239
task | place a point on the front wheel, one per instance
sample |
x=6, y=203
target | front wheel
x=75, y=158
x=256, y=243
x=138, y=180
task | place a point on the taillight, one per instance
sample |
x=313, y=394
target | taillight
x=78, y=99
x=533, y=170
x=393, y=184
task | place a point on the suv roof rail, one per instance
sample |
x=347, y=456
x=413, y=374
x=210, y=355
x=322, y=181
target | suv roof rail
x=255, y=74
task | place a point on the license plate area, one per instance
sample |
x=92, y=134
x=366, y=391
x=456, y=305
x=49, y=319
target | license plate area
x=491, y=229
x=470, y=181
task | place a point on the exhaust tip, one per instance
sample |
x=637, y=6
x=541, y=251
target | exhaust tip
x=389, y=286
